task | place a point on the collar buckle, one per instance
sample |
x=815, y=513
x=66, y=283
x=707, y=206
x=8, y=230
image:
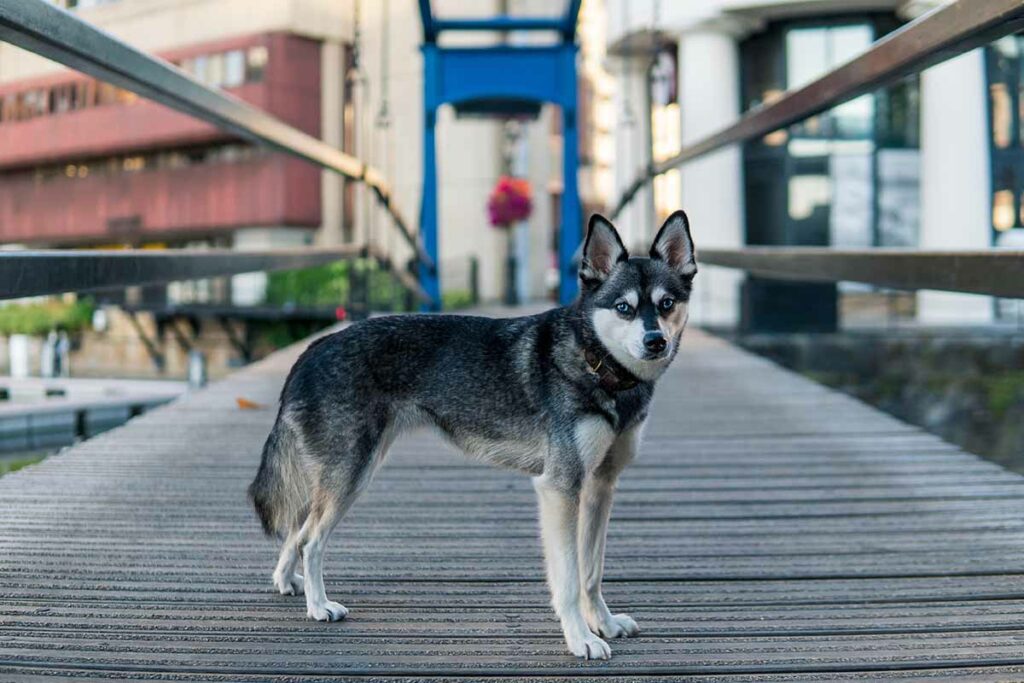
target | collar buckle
x=608, y=378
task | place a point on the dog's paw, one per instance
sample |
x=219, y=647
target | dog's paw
x=289, y=585
x=327, y=611
x=588, y=646
x=617, y=626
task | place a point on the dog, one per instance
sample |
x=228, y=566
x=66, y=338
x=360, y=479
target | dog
x=561, y=396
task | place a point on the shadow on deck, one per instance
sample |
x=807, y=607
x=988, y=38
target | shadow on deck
x=771, y=530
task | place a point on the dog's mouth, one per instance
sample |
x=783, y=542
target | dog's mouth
x=654, y=356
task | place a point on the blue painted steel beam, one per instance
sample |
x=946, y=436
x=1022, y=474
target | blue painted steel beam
x=427, y=18
x=502, y=23
x=565, y=24
x=572, y=14
x=571, y=225
x=430, y=279
x=528, y=73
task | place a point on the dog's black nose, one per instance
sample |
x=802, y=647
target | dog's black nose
x=655, y=342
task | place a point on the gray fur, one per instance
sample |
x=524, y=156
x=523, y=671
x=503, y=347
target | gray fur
x=517, y=393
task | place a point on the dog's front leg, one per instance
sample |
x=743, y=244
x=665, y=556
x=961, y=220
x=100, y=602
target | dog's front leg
x=559, y=512
x=595, y=509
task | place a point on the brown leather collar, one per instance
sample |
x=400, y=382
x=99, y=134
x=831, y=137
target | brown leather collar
x=611, y=376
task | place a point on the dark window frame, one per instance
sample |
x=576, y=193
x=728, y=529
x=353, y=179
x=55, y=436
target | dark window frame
x=895, y=125
x=1006, y=165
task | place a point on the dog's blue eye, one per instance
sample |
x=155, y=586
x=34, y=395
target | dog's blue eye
x=623, y=308
x=667, y=304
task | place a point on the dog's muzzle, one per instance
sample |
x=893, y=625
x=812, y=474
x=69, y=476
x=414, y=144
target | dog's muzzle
x=655, y=344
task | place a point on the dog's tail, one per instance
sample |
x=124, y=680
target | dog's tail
x=280, y=491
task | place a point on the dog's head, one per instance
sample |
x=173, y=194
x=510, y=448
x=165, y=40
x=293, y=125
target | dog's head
x=638, y=307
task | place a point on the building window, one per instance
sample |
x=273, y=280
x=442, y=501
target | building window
x=83, y=4
x=256, y=63
x=173, y=159
x=227, y=69
x=1005, y=81
x=234, y=69
x=221, y=70
x=846, y=177
x=666, y=132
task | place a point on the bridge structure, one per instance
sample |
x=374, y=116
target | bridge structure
x=503, y=80
x=772, y=529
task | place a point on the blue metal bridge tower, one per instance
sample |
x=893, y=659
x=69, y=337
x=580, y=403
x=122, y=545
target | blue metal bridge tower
x=502, y=80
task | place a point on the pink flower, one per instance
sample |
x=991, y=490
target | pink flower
x=510, y=201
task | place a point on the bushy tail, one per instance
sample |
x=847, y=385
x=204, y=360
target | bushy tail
x=280, y=491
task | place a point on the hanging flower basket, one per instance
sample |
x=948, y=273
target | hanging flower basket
x=510, y=201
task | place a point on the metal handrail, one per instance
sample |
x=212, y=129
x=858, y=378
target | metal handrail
x=34, y=273
x=55, y=33
x=939, y=35
x=999, y=272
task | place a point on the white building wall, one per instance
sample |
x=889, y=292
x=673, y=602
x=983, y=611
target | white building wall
x=331, y=102
x=955, y=178
x=636, y=223
x=544, y=161
x=712, y=186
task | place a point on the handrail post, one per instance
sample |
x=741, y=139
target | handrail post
x=474, y=280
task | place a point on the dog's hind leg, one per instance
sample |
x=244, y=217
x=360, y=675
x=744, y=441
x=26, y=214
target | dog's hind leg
x=340, y=484
x=595, y=509
x=325, y=514
x=287, y=580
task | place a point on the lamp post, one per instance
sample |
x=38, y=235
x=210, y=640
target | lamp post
x=510, y=202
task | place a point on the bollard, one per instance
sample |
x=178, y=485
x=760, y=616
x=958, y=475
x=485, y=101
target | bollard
x=196, y=369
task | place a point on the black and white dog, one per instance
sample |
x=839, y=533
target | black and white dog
x=561, y=396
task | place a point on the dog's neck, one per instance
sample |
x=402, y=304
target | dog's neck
x=611, y=376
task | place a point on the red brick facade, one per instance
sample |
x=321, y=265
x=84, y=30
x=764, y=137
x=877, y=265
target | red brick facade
x=258, y=189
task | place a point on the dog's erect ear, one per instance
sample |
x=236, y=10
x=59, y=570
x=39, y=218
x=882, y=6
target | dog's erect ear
x=601, y=251
x=674, y=246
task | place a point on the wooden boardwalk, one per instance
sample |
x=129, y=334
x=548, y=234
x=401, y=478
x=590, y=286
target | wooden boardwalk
x=772, y=530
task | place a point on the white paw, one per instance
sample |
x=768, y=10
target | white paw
x=617, y=626
x=289, y=585
x=588, y=646
x=327, y=611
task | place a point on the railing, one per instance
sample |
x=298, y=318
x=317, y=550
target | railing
x=995, y=273
x=939, y=35
x=57, y=34
x=32, y=273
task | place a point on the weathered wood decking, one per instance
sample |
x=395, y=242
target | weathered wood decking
x=772, y=530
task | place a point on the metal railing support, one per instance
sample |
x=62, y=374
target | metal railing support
x=33, y=273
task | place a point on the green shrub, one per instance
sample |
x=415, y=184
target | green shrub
x=333, y=285
x=8, y=466
x=1004, y=391
x=455, y=299
x=38, y=318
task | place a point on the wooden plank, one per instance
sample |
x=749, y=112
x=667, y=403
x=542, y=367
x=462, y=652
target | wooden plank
x=813, y=539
